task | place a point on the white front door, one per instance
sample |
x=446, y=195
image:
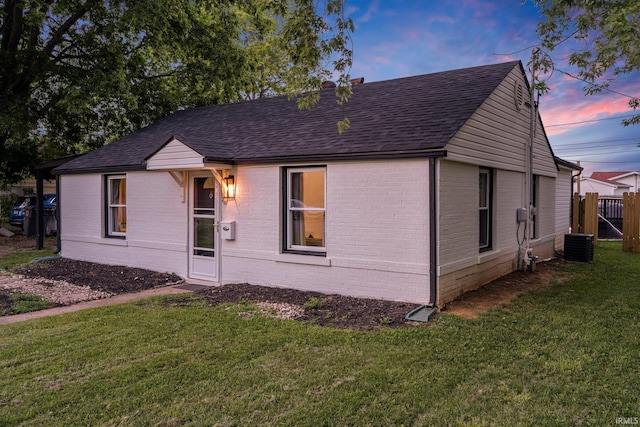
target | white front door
x=203, y=227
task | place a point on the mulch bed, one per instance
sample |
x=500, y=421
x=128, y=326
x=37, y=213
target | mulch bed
x=101, y=277
x=335, y=311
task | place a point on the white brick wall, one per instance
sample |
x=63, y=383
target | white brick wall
x=462, y=267
x=377, y=232
x=508, y=198
x=377, y=222
x=156, y=222
x=458, y=231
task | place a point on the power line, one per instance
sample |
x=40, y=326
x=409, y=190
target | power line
x=595, y=85
x=601, y=154
x=595, y=147
x=596, y=153
x=589, y=121
x=582, y=144
x=607, y=163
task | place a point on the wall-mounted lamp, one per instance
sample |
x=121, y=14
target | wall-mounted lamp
x=229, y=190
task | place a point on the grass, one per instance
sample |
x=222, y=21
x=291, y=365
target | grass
x=565, y=355
x=22, y=303
x=17, y=259
x=314, y=303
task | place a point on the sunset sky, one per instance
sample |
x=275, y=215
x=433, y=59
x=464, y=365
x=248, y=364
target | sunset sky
x=403, y=38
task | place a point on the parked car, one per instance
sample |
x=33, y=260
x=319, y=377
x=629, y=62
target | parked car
x=16, y=216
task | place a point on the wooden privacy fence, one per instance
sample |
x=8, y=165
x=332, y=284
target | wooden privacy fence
x=585, y=215
x=631, y=222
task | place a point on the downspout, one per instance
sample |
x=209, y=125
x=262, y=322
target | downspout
x=424, y=312
x=433, y=233
x=58, y=204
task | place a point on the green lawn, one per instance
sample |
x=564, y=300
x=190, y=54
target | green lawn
x=21, y=258
x=566, y=355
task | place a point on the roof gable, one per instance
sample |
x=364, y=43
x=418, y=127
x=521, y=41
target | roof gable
x=175, y=155
x=407, y=117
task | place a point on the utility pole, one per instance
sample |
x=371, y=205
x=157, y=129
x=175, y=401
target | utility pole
x=529, y=260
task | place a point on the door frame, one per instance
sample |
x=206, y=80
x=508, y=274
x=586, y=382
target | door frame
x=191, y=234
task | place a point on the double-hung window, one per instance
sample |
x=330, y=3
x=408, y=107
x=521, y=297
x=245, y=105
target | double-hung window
x=116, y=206
x=485, y=208
x=534, y=200
x=304, y=213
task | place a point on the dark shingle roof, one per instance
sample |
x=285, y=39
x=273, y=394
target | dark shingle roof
x=412, y=116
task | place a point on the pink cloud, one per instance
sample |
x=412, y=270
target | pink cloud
x=570, y=115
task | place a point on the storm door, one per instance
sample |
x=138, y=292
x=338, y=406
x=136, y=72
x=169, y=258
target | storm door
x=203, y=228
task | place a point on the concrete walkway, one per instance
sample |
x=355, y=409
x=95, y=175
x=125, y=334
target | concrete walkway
x=117, y=299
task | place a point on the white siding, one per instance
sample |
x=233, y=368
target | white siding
x=175, y=155
x=588, y=185
x=156, y=222
x=563, y=206
x=497, y=134
x=631, y=180
x=546, y=207
x=377, y=232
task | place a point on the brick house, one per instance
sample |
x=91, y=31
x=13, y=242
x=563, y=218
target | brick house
x=264, y=193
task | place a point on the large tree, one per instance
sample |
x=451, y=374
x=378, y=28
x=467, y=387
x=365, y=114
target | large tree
x=76, y=74
x=604, y=37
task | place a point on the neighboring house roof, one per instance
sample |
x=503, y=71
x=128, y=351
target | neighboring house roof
x=406, y=117
x=607, y=176
x=625, y=174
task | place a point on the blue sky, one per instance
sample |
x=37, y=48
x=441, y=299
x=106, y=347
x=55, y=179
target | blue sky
x=403, y=38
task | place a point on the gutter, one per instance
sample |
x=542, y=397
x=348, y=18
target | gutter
x=376, y=155
x=99, y=169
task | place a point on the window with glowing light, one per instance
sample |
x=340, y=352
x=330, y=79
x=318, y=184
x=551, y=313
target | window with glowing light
x=304, y=201
x=116, y=206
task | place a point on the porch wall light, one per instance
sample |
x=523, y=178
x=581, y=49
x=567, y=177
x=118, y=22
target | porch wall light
x=229, y=190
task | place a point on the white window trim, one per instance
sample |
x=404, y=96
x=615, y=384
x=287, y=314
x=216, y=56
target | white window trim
x=109, y=231
x=489, y=209
x=299, y=248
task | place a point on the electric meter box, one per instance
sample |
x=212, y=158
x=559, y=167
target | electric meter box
x=228, y=230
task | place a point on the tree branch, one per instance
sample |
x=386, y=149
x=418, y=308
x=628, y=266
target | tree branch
x=70, y=22
x=14, y=15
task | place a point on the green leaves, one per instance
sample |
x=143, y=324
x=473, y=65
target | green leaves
x=607, y=32
x=75, y=75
